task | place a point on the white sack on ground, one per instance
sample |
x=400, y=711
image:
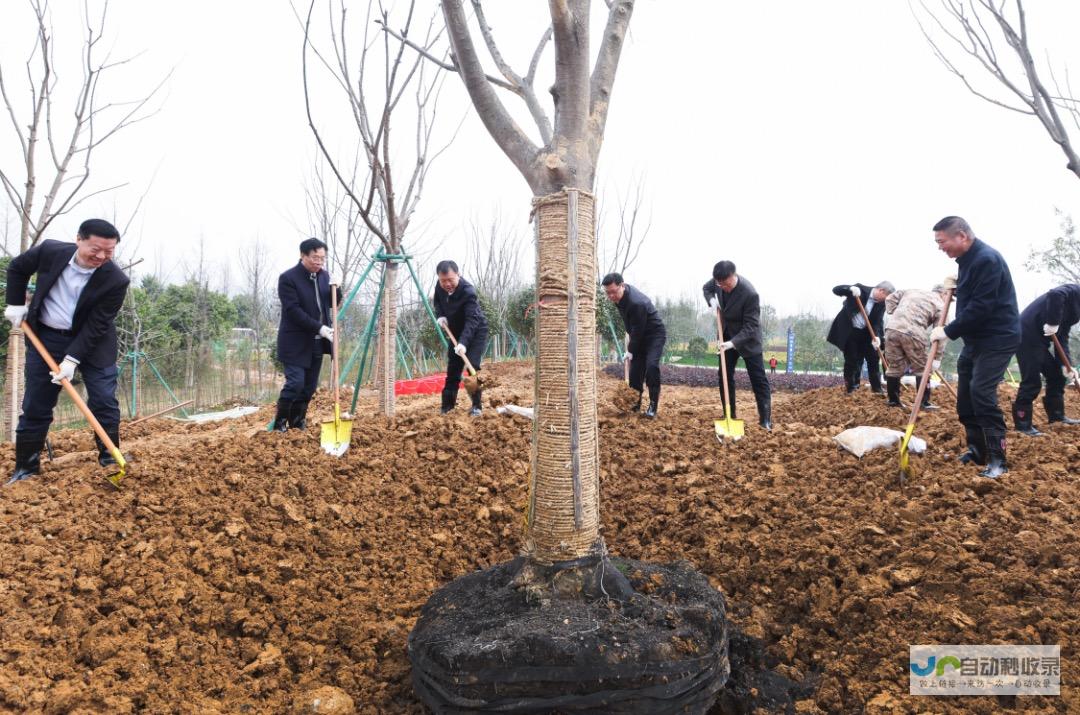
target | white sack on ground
x=860, y=440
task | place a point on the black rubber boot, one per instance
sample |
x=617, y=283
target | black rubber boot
x=1022, y=420
x=281, y=418
x=477, y=404
x=654, y=404
x=892, y=389
x=1055, y=410
x=995, y=456
x=449, y=399
x=298, y=414
x=765, y=416
x=105, y=457
x=637, y=405
x=926, y=405
x=27, y=456
x=976, y=451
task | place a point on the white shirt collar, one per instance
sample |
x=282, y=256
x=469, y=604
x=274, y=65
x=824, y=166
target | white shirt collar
x=77, y=267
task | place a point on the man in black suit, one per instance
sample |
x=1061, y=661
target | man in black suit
x=458, y=308
x=78, y=294
x=304, y=333
x=647, y=334
x=740, y=304
x=1053, y=313
x=850, y=333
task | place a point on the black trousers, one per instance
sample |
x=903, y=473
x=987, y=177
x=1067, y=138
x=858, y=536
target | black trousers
x=979, y=372
x=455, y=366
x=302, y=380
x=859, y=349
x=41, y=394
x=645, y=368
x=1037, y=360
x=759, y=381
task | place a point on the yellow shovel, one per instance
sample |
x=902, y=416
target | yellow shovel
x=726, y=427
x=905, y=462
x=336, y=433
x=114, y=479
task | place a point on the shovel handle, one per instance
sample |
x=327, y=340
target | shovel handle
x=334, y=350
x=881, y=354
x=930, y=357
x=70, y=389
x=625, y=362
x=723, y=364
x=464, y=358
x=1063, y=358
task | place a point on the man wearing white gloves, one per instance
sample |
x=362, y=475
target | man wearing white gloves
x=458, y=308
x=78, y=295
x=647, y=337
x=1053, y=313
x=989, y=322
x=851, y=334
x=305, y=332
x=740, y=305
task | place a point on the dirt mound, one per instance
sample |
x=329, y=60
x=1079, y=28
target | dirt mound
x=241, y=569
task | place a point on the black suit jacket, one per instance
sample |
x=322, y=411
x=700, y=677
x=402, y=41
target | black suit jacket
x=742, y=315
x=1059, y=306
x=463, y=314
x=302, y=315
x=94, y=321
x=841, y=325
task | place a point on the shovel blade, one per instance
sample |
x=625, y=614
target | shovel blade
x=729, y=429
x=905, y=461
x=117, y=477
x=335, y=436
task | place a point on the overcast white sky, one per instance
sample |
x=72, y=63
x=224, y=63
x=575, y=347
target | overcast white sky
x=810, y=143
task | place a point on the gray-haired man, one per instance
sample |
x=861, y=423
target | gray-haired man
x=850, y=333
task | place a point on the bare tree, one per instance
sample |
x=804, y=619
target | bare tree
x=254, y=263
x=563, y=512
x=493, y=264
x=1061, y=259
x=976, y=30
x=60, y=178
x=622, y=247
x=373, y=88
x=336, y=221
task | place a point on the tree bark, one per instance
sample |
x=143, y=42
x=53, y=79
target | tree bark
x=388, y=342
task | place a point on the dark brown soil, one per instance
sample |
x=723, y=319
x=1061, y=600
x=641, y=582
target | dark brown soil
x=239, y=570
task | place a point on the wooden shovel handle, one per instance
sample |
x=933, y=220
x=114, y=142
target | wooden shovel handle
x=334, y=349
x=1063, y=358
x=723, y=363
x=69, y=388
x=930, y=357
x=464, y=358
x=881, y=354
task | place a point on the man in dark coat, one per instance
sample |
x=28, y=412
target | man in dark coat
x=305, y=332
x=989, y=322
x=78, y=294
x=1053, y=313
x=647, y=336
x=850, y=333
x=458, y=308
x=740, y=306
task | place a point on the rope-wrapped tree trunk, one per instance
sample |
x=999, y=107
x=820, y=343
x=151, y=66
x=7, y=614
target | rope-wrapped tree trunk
x=564, y=495
x=387, y=345
x=14, y=381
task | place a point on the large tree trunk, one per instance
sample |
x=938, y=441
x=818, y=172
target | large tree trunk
x=384, y=384
x=564, y=499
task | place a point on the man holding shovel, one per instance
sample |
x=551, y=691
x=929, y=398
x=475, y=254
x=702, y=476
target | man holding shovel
x=740, y=306
x=860, y=340
x=1051, y=314
x=647, y=336
x=305, y=332
x=458, y=311
x=912, y=313
x=989, y=322
x=78, y=295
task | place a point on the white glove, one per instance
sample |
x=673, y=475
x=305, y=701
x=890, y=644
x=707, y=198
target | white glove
x=876, y=342
x=442, y=322
x=16, y=314
x=1049, y=330
x=1069, y=373
x=937, y=365
x=327, y=332
x=627, y=357
x=67, y=371
x=856, y=292
x=949, y=283
x=937, y=335
x=727, y=345
x=460, y=349
x=714, y=302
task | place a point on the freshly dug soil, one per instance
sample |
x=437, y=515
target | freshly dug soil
x=240, y=570
x=625, y=398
